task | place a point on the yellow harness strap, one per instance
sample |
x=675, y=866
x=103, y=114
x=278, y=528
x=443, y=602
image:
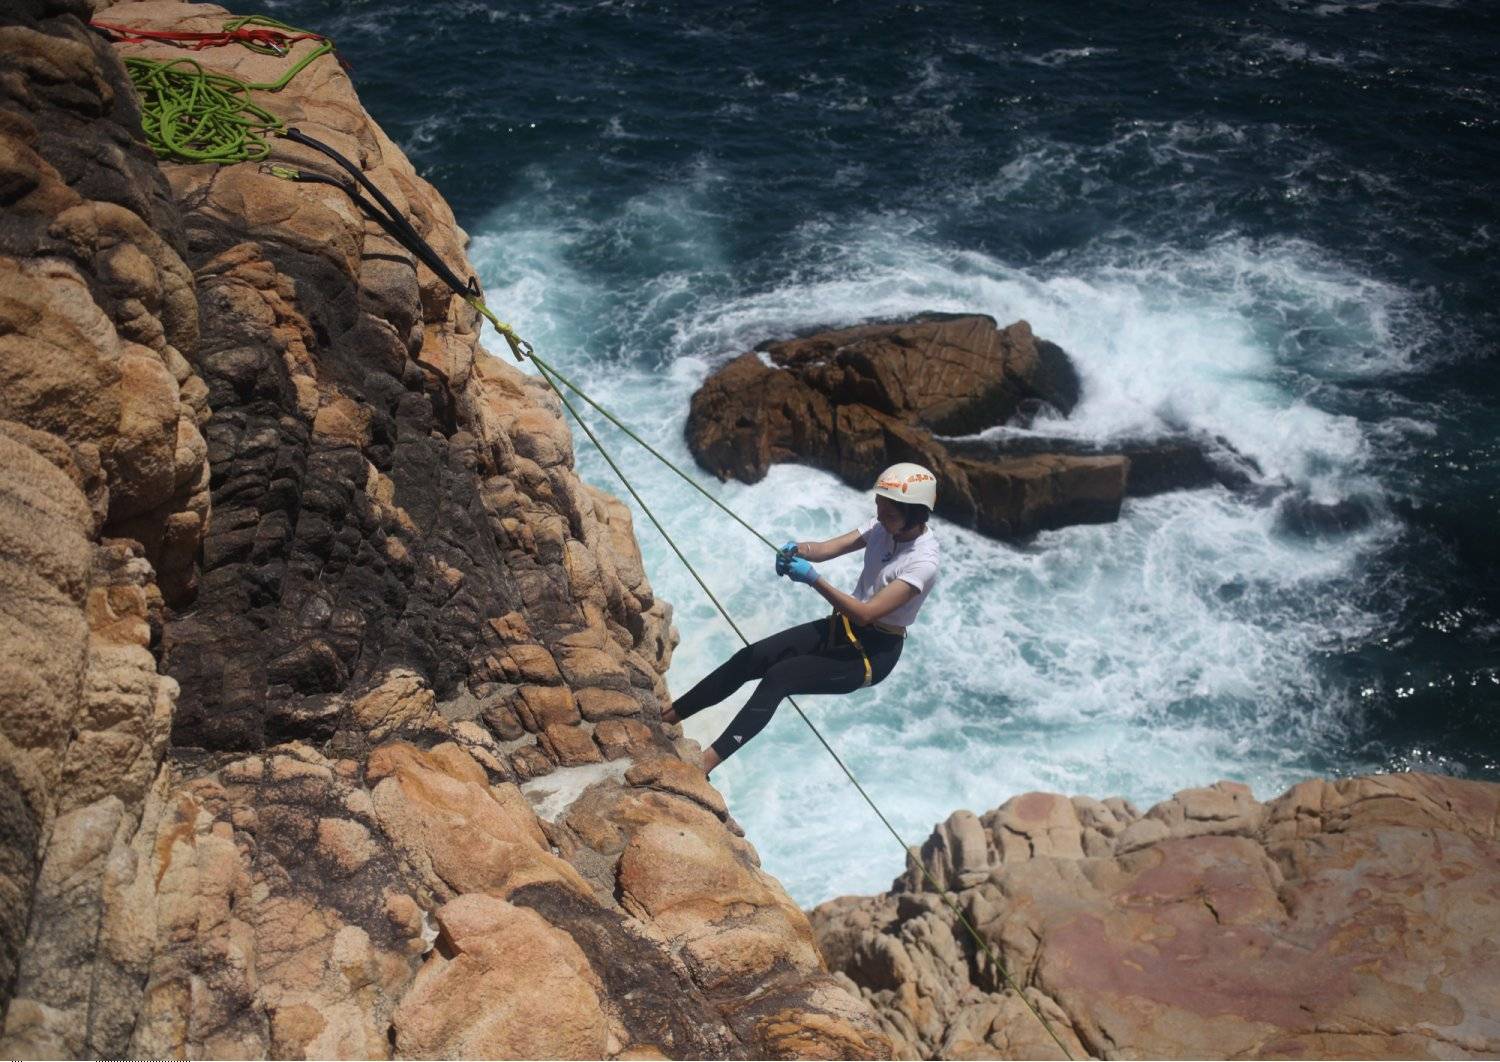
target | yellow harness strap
x=854, y=642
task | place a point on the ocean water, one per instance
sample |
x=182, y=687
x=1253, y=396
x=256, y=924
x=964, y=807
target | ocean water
x=1275, y=224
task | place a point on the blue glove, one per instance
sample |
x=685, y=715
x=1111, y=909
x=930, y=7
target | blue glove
x=802, y=571
x=784, y=557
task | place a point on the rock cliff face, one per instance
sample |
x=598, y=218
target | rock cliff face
x=857, y=400
x=1352, y=919
x=330, y=698
x=331, y=695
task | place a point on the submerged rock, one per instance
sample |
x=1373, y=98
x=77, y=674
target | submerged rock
x=1300, y=514
x=1348, y=919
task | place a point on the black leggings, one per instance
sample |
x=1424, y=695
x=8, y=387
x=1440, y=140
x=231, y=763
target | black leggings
x=814, y=657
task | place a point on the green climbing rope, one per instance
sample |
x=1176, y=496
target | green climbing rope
x=192, y=114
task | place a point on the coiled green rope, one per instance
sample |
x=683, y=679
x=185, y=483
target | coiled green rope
x=192, y=114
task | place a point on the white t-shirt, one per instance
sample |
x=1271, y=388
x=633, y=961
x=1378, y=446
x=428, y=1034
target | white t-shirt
x=914, y=562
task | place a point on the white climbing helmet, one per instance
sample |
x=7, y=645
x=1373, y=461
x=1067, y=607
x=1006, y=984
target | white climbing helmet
x=908, y=483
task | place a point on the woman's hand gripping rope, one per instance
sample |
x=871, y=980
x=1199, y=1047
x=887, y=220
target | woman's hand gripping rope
x=796, y=568
x=800, y=570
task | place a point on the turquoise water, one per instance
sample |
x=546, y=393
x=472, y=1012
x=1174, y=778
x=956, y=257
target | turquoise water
x=1277, y=226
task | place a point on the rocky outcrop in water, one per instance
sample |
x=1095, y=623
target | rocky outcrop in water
x=1349, y=919
x=332, y=696
x=856, y=400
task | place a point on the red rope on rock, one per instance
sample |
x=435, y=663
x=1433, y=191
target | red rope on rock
x=257, y=36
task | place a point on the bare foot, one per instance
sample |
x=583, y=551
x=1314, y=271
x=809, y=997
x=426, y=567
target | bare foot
x=710, y=759
x=669, y=716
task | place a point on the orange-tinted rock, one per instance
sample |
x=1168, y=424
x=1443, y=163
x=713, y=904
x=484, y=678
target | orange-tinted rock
x=529, y=761
x=1343, y=919
x=597, y=703
x=402, y=702
x=585, y=667
x=622, y=737
x=503, y=720
x=674, y=776
x=542, y=706
x=440, y=811
x=533, y=663
x=511, y=627
x=689, y=879
x=504, y=985
x=569, y=746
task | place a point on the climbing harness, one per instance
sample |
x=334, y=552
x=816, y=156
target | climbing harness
x=833, y=633
x=193, y=114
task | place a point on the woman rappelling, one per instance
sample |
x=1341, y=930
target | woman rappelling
x=859, y=644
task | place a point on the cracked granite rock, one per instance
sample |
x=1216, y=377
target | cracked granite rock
x=1348, y=919
x=332, y=695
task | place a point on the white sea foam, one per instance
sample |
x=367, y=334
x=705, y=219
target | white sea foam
x=1292, y=51
x=1175, y=647
x=930, y=80
x=1060, y=56
x=1324, y=10
x=1045, y=170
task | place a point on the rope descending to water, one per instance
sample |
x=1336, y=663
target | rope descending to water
x=653, y=451
x=548, y=373
x=401, y=230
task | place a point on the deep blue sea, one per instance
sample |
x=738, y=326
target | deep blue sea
x=1271, y=221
